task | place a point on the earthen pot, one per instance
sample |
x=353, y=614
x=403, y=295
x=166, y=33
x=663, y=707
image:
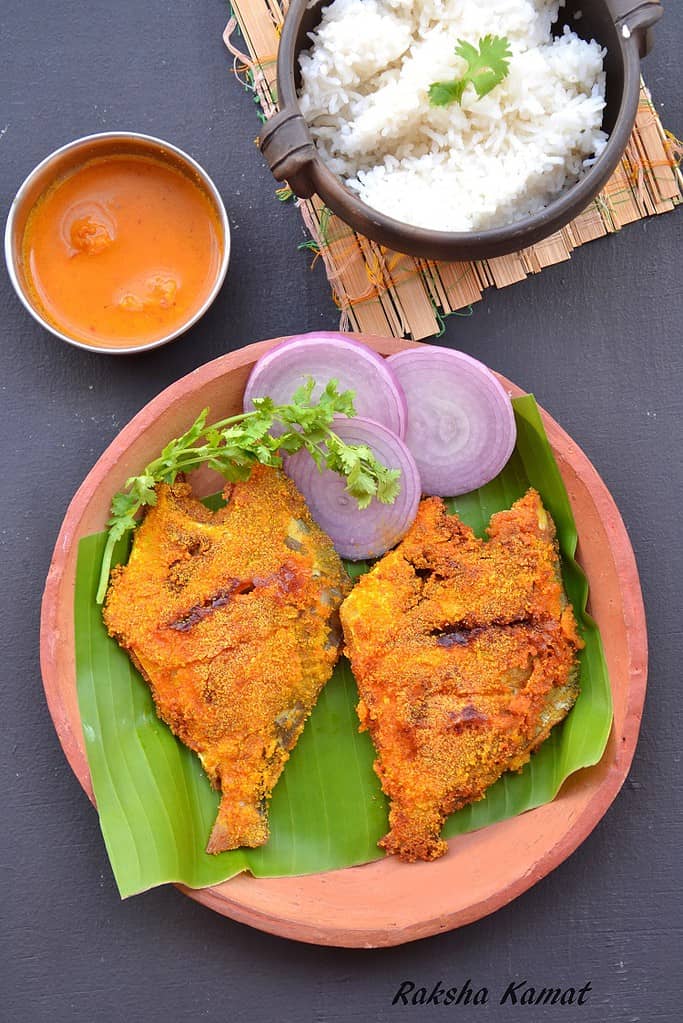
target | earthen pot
x=623, y=29
x=386, y=902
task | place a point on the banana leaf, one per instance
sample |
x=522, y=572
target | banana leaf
x=156, y=807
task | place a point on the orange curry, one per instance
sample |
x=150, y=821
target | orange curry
x=122, y=251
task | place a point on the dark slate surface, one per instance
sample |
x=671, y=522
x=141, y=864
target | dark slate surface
x=599, y=342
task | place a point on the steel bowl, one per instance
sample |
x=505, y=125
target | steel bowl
x=68, y=158
x=622, y=27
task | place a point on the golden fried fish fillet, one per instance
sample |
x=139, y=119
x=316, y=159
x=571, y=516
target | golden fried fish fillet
x=464, y=651
x=232, y=618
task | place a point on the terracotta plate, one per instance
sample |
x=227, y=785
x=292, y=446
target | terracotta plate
x=386, y=902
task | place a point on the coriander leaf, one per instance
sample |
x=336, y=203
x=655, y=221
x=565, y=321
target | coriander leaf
x=302, y=395
x=266, y=456
x=232, y=446
x=263, y=404
x=367, y=478
x=257, y=428
x=320, y=458
x=388, y=485
x=363, y=500
x=291, y=442
x=142, y=490
x=121, y=505
x=233, y=472
x=360, y=482
x=486, y=68
x=339, y=403
x=442, y=94
x=191, y=435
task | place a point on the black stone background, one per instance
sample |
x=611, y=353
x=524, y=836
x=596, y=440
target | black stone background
x=598, y=340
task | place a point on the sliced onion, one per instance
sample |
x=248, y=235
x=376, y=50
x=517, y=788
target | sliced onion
x=328, y=356
x=368, y=533
x=461, y=426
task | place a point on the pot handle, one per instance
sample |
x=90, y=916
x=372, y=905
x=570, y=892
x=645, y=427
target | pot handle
x=288, y=147
x=638, y=19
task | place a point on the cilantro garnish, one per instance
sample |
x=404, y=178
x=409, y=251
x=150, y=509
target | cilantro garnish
x=232, y=446
x=486, y=68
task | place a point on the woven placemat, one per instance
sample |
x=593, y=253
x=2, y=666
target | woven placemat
x=382, y=292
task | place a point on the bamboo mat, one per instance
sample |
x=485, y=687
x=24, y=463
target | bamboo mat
x=386, y=293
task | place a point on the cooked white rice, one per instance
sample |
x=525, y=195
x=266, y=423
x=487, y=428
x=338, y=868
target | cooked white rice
x=485, y=163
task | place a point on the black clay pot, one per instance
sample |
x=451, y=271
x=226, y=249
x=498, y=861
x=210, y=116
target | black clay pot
x=621, y=26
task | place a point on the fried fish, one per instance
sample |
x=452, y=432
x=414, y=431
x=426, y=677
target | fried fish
x=232, y=618
x=465, y=654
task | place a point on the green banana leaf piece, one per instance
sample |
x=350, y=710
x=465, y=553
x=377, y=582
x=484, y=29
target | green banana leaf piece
x=155, y=804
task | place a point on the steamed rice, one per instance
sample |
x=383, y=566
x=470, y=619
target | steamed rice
x=482, y=164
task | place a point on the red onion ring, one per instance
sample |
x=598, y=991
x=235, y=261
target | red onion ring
x=328, y=356
x=368, y=533
x=461, y=426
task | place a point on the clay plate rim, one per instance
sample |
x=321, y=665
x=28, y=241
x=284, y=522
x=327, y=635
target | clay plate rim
x=386, y=902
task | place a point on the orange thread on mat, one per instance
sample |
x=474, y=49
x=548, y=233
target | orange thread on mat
x=375, y=290
x=344, y=255
x=674, y=146
x=373, y=269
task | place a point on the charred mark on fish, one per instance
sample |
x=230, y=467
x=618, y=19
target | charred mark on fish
x=461, y=634
x=456, y=637
x=468, y=717
x=287, y=580
x=219, y=599
x=458, y=634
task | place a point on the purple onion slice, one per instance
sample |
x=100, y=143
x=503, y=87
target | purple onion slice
x=368, y=533
x=328, y=356
x=461, y=426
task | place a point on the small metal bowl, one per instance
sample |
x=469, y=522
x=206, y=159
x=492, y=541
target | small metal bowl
x=68, y=158
x=621, y=26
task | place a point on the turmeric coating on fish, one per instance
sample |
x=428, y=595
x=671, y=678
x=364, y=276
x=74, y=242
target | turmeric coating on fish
x=232, y=618
x=465, y=655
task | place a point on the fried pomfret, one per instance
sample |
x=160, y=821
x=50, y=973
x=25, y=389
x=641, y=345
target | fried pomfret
x=232, y=618
x=465, y=654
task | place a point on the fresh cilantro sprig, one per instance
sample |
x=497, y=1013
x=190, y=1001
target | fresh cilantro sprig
x=486, y=68
x=232, y=446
